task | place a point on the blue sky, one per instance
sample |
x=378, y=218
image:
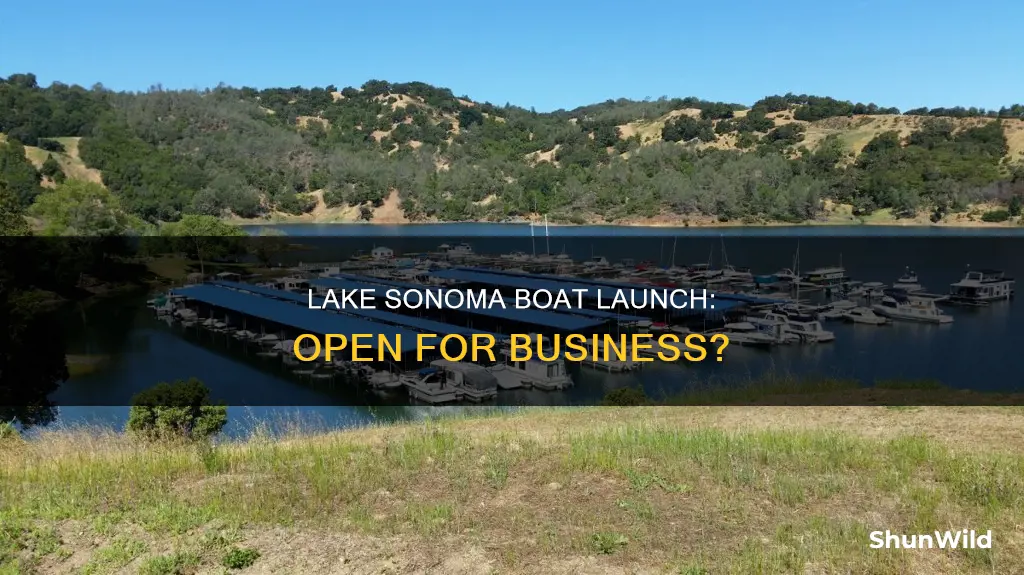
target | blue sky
x=549, y=55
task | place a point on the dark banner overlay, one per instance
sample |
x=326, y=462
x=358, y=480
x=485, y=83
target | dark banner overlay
x=748, y=318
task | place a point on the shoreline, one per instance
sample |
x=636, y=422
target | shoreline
x=674, y=225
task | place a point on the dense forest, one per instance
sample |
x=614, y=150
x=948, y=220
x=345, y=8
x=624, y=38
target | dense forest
x=250, y=153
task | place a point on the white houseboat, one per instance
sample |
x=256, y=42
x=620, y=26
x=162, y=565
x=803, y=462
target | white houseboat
x=979, y=287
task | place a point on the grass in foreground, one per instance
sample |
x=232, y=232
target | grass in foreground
x=599, y=490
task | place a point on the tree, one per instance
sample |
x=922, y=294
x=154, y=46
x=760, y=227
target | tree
x=78, y=208
x=19, y=173
x=1014, y=206
x=626, y=396
x=176, y=411
x=204, y=237
x=12, y=217
x=51, y=169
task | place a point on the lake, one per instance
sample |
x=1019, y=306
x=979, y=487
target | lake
x=979, y=350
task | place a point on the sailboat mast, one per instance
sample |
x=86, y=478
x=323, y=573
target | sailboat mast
x=547, y=237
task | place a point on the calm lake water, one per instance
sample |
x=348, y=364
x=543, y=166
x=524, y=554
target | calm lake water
x=979, y=350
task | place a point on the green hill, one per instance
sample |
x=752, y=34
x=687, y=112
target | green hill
x=397, y=152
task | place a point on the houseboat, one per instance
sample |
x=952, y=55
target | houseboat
x=546, y=375
x=446, y=381
x=978, y=287
x=828, y=277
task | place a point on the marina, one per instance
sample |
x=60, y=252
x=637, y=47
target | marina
x=243, y=362
x=763, y=312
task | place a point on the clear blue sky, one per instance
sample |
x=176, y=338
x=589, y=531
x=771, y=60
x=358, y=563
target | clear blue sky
x=550, y=54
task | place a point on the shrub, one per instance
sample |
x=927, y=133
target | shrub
x=179, y=410
x=626, y=396
x=240, y=558
x=995, y=216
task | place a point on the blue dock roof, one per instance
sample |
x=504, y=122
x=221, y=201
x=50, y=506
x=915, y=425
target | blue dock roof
x=745, y=298
x=284, y=313
x=585, y=312
x=555, y=283
x=538, y=317
x=400, y=320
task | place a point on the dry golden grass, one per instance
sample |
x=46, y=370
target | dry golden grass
x=590, y=490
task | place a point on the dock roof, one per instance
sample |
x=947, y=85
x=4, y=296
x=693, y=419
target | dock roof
x=547, y=319
x=376, y=315
x=285, y=313
x=585, y=312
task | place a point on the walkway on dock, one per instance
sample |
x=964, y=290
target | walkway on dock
x=540, y=318
x=378, y=317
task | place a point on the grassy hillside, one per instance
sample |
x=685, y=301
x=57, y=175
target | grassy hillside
x=395, y=152
x=593, y=490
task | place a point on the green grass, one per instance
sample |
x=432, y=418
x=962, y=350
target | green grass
x=629, y=490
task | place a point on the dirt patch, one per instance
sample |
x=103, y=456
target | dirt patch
x=544, y=156
x=303, y=121
x=390, y=212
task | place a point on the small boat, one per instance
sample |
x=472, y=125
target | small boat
x=838, y=309
x=734, y=274
x=516, y=256
x=446, y=381
x=792, y=330
x=908, y=282
x=864, y=315
x=899, y=305
x=810, y=331
x=786, y=275
x=245, y=335
x=430, y=386
x=746, y=334
x=269, y=340
x=380, y=378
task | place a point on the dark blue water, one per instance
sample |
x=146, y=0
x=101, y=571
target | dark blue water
x=979, y=350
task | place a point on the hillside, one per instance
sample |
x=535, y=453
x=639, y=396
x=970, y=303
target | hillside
x=594, y=490
x=405, y=152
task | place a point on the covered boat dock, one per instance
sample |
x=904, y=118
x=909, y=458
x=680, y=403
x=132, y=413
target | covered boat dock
x=277, y=312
